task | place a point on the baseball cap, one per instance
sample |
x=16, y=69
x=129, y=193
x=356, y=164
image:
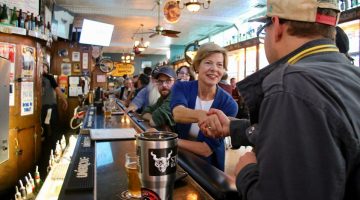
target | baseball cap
x=168, y=71
x=301, y=10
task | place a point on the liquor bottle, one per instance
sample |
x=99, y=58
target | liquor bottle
x=4, y=15
x=62, y=141
x=29, y=192
x=41, y=25
x=58, y=151
x=32, y=182
x=27, y=21
x=17, y=193
x=31, y=22
x=21, y=20
x=37, y=179
x=36, y=24
x=22, y=190
x=48, y=29
x=14, y=18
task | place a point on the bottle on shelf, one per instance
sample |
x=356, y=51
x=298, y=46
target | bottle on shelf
x=17, y=193
x=41, y=25
x=58, y=151
x=21, y=20
x=27, y=21
x=32, y=22
x=37, y=179
x=4, y=18
x=36, y=24
x=32, y=182
x=14, y=18
x=22, y=190
x=48, y=28
x=63, y=143
x=28, y=187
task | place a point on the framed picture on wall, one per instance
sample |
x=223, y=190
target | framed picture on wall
x=100, y=78
x=145, y=64
x=66, y=69
x=76, y=56
x=76, y=67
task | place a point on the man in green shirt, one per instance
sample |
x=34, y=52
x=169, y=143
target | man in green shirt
x=159, y=115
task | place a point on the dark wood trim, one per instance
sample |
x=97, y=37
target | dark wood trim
x=243, y=44
x=350, y=15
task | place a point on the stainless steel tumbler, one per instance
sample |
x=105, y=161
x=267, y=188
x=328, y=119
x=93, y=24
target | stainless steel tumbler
x=158, y=159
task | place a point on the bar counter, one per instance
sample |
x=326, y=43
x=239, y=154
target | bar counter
x=109, y=176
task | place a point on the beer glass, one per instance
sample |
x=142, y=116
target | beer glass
x=131, y=167
x=107, y=109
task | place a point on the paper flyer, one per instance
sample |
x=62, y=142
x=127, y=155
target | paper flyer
x=8, y=51
x=27, y=98
x=28, y=61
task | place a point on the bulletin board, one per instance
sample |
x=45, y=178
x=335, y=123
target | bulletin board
x=78, y=85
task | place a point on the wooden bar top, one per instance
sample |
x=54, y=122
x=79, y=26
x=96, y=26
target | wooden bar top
x=110, y=176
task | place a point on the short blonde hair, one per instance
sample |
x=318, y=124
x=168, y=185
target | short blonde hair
x=207, y=49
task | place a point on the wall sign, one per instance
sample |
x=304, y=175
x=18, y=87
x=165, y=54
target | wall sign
x=8, y=51
x=28, y=55
x=27, y=98
x=122, y=69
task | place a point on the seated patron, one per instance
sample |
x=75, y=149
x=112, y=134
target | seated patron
x=184, y=74
x=191, y=100
x=159, y=115
x=145, y=97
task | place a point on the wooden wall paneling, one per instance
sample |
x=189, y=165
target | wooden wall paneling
x=26, y=156
x=29, y=126
x=56, y=60
x=9, y=169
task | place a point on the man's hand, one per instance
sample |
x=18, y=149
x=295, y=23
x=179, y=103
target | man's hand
x=131, y=108
x=146, y=116
x=247, y=158
x=216, y=124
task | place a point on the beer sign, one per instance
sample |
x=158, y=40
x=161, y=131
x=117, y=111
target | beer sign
x=121, y=69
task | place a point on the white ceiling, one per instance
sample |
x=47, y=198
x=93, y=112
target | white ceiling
x=127, y=15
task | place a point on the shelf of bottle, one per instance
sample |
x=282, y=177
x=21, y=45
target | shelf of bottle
x=21, y=31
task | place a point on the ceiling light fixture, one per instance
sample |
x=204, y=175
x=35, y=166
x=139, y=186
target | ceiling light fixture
x=140, y=46
x=127, y=57
x=194, y=5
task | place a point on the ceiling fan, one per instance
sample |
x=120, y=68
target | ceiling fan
x=159, y=30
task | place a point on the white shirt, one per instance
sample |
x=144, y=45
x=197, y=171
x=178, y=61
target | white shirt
x=199, y=105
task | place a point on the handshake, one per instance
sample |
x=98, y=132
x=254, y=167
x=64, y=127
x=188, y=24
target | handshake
x=217, y=125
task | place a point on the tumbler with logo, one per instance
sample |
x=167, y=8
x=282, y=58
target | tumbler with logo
x=158, y=158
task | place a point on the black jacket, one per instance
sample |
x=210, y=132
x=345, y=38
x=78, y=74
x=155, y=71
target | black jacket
x=308, y=129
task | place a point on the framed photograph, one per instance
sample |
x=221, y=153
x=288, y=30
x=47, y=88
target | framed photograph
x=145, y=64
x=172, y=12
x=76, y=67
x=100, y=78
x=66, y=69
x=76, y=56
x=85, y=61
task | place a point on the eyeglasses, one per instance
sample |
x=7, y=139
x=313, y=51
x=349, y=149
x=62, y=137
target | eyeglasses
x=167, y=82
x=184, y=73
x=261, y=33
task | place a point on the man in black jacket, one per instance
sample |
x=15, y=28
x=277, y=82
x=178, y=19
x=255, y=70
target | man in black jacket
x=304, y=110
